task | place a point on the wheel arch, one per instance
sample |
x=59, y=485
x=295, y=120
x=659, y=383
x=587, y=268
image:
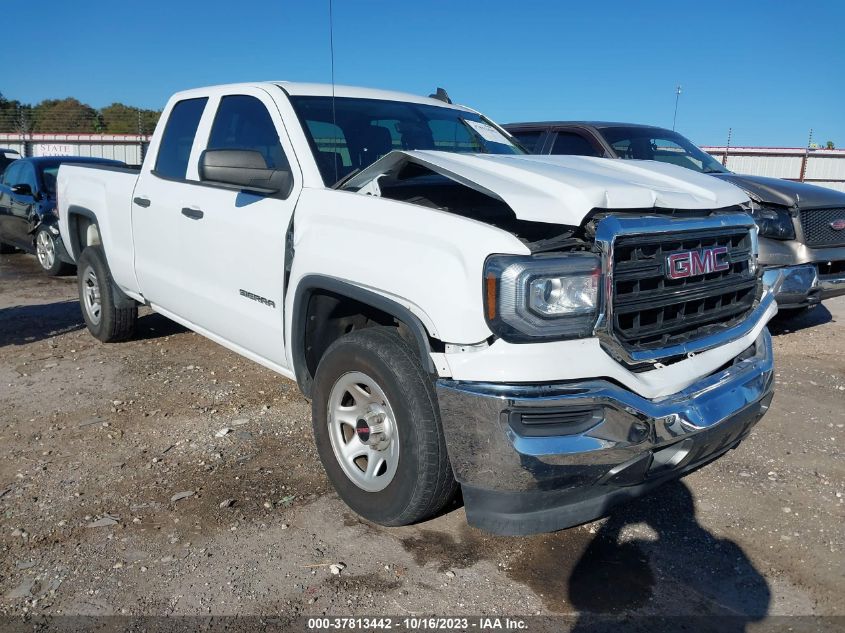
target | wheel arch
x=307, y=312
x=83, y=230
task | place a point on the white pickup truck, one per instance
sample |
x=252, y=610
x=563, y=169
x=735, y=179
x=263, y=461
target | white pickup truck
x=555, y=334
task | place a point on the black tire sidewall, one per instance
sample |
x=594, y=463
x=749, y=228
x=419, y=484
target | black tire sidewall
x=94, y=258
x=411, y=406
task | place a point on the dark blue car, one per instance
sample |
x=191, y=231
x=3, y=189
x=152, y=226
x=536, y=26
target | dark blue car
x=28, y=215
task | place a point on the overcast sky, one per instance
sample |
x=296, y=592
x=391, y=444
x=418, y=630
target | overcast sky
x=771, y=70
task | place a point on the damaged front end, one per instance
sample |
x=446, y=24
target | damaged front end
x=409, y=177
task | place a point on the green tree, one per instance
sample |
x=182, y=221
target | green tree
x=14, y=116
x=119, y=118
x=65, y=115
x=830, y=145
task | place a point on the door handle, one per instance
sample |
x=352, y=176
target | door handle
x=141, y=202
x=194, y=214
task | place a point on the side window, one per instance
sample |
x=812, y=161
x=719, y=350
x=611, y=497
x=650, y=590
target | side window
x=242, y=122
x=175, y=148
x=11, y=174
x=573, y=144
x=27, y=177
x=529, y=139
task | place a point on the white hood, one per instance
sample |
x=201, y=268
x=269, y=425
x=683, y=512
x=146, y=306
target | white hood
x=564, y=189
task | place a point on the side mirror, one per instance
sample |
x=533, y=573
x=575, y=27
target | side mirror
x=22, y=189
x=243, y=168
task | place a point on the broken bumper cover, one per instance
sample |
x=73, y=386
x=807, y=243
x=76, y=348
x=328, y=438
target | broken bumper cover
x=539, y=458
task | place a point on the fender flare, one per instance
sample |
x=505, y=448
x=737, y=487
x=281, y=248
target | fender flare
x=72, y=248
x=310, y=284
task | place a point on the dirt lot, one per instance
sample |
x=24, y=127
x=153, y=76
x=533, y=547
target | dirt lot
x=100, y=441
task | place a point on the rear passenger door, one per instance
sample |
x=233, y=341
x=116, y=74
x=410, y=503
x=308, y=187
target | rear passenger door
x=232, y=242
x=159, y=196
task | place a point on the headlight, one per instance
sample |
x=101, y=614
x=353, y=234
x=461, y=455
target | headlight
x=774, y=223
x=533, y=298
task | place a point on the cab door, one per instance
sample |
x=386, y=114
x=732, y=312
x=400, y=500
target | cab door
x=160, y=193
x=232, y=241
x=21, y=207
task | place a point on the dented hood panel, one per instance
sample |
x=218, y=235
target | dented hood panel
x=786, y=192
x=564, y=189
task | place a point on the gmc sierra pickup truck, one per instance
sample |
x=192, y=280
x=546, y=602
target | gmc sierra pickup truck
x=553, y=334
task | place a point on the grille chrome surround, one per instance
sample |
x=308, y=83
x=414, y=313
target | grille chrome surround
x=727, y=304
x=816, y=225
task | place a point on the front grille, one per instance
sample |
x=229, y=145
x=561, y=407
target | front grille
x=818, y=229
x=651, y=311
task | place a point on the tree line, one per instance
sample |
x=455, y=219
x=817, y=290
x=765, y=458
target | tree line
x=72, y=116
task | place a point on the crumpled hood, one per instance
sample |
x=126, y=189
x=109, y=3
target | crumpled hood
x=785, y=192
x=564, y=189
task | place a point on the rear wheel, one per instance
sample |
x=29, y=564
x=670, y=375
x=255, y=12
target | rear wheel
x=109, y=314
x=47, y=252
x=377, y=429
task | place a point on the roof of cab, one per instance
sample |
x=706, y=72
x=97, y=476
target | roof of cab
x=324, y=90
x=595, y=124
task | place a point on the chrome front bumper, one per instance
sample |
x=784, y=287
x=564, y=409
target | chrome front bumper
x=590, y=444
x=801, y=285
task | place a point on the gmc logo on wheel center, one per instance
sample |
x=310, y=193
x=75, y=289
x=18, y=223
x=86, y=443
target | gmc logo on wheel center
x=698, y=262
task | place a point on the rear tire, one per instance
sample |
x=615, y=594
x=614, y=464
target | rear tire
x=109, y=314
x=412, y=478
x=47, y=254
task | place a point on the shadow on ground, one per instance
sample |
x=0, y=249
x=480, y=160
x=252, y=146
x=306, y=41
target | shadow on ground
x=651, y=559
x=791, y=321
x=154, y=325
x=679, y=569
x=20, y=325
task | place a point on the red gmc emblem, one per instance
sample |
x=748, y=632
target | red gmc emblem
x=698, y=262
x=838, y=225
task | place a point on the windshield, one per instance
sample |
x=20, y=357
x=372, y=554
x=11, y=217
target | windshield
x=648, y=143
x=353, y=133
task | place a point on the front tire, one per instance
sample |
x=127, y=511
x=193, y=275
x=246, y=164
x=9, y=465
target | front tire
x=377, y=429
x=109, y=314
x=47, y=253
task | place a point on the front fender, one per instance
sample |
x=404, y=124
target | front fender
x=426, y=260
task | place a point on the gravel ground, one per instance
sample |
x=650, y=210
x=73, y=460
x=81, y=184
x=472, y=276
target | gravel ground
x=167, y=476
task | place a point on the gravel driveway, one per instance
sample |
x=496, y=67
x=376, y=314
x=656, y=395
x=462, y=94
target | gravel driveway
x=167, y=475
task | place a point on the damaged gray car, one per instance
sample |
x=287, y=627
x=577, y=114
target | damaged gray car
x=802, y=226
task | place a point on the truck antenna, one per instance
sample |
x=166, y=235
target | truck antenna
x=334, y=117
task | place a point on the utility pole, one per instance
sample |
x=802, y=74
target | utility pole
x=727, y=148
x=677, y=96
x=806, y=157
x=24, y=127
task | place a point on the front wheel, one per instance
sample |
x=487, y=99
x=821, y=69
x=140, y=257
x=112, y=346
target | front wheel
x=109, y=314
x=377, y=429
x=47, y=252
